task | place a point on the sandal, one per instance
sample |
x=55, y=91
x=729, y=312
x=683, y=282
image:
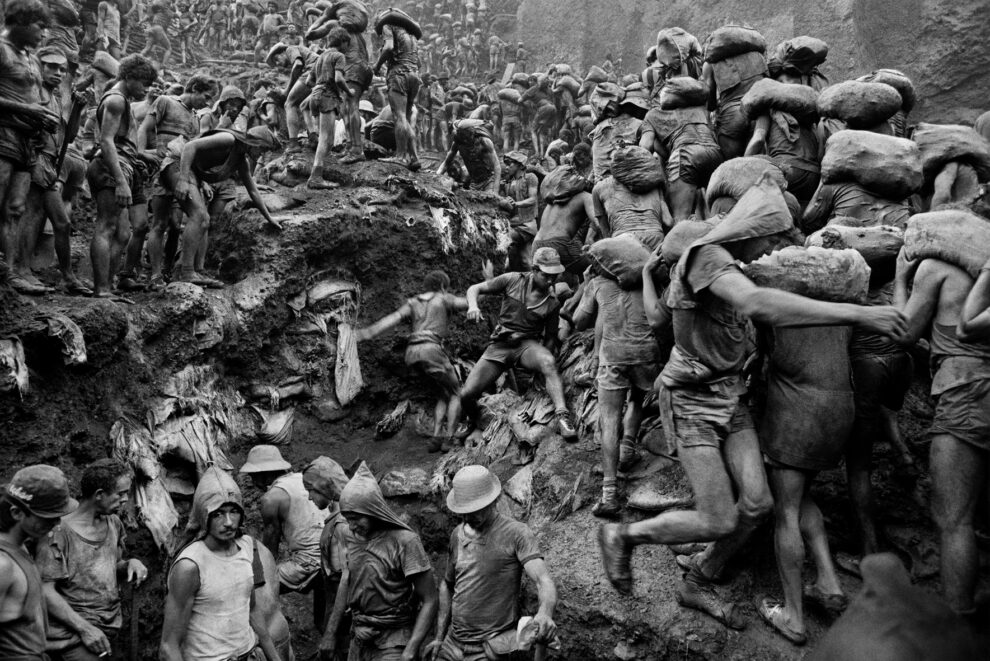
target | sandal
x=701, y=596
x=772, y=612
x=75, y=287
x=24, y=286
x=833, y=604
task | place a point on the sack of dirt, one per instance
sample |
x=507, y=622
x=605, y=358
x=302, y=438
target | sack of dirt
x=682, y=235
x=818, y=273
x=731, y=40
x=683, y=92
x=860, y=105
x=942, y=143
x=563, y=183
x=956, y=236
x=568, y=83
x=621, y=258
x=768, y=94
x=352, y=16
x=884, y=165
x=510, y=94
x=896, y=79
x=636, y=169
x=398, y=18
x=737, y=175
x=876, y=244
x=605, y=100
x=801, y=54
x=520, y=78
x=675, y=46
x=596, y=75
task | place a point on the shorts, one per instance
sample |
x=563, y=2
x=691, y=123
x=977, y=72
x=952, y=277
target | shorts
x=100, y=178
x=730, y=121
x=431, y=361
x=703, y=415
x=570, y=251
x=404, y=82
x=693, y=164
x=359, y=75
x=622, y=377
x=17, y=147
x=508, y=354
x=963, y=412
x=43, y=173
x=511, y=124
x=324, y=101
x=386, y=646
x=880, y=380
x=451, y=650
x=73, y=173
x=298, y=570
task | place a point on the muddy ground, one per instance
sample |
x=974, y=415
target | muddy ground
x=385, y=229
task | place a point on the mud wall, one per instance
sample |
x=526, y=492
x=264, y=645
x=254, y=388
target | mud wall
x=941, y=44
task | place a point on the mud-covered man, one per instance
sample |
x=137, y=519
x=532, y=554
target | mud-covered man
x=472, y=140
x=402, y=78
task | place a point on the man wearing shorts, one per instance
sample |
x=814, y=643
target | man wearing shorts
x=403, y=83
x=960, y=432
x=429, y=313
x=526, y=334
x=563, y=227
x=329, y=91
x=701, y=389
x=626, y=363
x=728, y=81
x=118, y=173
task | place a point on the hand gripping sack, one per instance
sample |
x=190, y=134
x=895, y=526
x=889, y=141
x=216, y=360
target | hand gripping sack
x=860, y=105
x=621, y=258
x=768, y=94
x=731, y=40
x=942, y=143
x=884, y=165
x=956, y=236
x=819, y=273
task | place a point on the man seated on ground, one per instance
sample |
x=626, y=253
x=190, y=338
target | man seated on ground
x=940, y=306
x=30, y=508
x=288, y=515
x=480, y=593
x=81, y=562
x=118, y=173
x=472, y=140
x=429, y=313
x=216, y=596
x=701, y=389
x=388, y=583
x=526, y=334
x=214, y=158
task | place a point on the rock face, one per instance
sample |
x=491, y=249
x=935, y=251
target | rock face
x=940, y=44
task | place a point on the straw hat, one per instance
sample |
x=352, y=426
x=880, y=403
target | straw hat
x=264, y=459
x=474, y=488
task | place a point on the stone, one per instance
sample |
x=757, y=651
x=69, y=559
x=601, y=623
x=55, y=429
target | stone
x=405, y=482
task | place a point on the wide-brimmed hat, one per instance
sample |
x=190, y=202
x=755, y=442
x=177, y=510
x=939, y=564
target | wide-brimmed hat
x=366, y=106
x=264, y=459
x=474, y=488
x=548, y=260
x=42, y=490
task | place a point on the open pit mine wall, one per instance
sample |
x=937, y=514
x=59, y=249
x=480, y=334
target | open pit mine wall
x=943, y=45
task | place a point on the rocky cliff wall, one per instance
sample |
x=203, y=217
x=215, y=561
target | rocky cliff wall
x=942, y=44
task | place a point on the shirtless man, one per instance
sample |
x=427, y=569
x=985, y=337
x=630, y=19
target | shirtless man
x=31, y=505
x=297, y=60
x=80, y=564
x=271, y=22
x=399, y=52
x=429, y=313
x=472, y=140
x=564, y=226
x=117, y=176
x=218, y=604
x=156, y=34
x=935, y=297
x=526, y=334
x=214, y=158
x=620, y=211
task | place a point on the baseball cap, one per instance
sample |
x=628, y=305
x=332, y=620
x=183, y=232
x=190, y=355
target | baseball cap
x=516, y=156
x=548, y=260
x=52, y=54
x=42, y=490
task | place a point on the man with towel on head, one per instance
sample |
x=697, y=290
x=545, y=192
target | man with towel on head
x=388, y=581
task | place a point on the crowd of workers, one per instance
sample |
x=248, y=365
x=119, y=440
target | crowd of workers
x=592, y=169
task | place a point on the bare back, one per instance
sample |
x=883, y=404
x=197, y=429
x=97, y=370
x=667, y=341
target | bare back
x=566, y=220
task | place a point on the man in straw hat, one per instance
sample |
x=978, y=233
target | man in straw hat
x=288, y=515
x=31, y=505
x=388, y=582
x=479, y=596
x=526, y=334
x=217, y=596
x=701, y=389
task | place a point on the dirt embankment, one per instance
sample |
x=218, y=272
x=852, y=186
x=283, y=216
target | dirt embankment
x=940, y=44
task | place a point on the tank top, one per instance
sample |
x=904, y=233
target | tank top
x=219, y=625
x=681, y=127
x=24, y=638
x=126, y=138
x=304, y=523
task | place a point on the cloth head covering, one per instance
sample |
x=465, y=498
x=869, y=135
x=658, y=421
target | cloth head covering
x=892, y=620
x=324, y=471
x=262, y=136
x=363, y=496
x=216, y=488
x=232, y=92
